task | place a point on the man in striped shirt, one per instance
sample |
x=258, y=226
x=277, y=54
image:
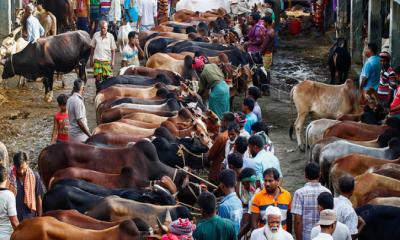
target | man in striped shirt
x=304, y=204
x=387, y=77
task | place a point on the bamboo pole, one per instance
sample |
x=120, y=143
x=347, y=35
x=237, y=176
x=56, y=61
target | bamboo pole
x=199, y=178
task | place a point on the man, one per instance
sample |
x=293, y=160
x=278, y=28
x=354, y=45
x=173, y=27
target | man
x=253, y=45
x=211, y=77
x=131, y=13
x=305, y=205
x=233, y=134
x=230, y=207
x=78, y=129
x=235, y=162
x=271, y=195
x=255, y=94
x=8, y=211
x=212, y=227
x=369, y=77
x=251, y=118
x=341, y=232
x=267, y=49
x=395, y=105
x=262, y=160
x=327, y=223
x=387, y=76
x=216, y=154
x=147, y=14
x=103, y=53
x=94, y=15
x=81, y=10
x=273, y=228
x=26, y=186
x=34, y=29
x=344, y=209
x=260, y=128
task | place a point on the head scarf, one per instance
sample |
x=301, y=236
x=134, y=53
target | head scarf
x=198, y=63
x=182, y=226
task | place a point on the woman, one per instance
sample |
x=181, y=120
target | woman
x=212, y=78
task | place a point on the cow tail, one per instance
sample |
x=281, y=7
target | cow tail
x=306, y=140
x=291, y=129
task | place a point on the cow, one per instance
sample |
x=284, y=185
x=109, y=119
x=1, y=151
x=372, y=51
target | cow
x=47, y=228
x=43, y=58
x=370, y=185
x=114, y=209
x=133, y=80
x=63, y=10
x=80, y=195
x=354, y=131
x=123, y=128
x=4, y=155
x=317, y=147
x=315, y=131
x=142, y=157
x=122, y=36
x=378, y=219
x=340, y=148
x=173, y=77
x=386, y=201
x=171, y=105
x=339, y=61
x=322, y=101
x=166, y=62
x=114, y=114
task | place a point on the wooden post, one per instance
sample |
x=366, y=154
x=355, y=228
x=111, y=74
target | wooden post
x=356, y=31
x=5, y=18
x=394, y=35
x=375, y=23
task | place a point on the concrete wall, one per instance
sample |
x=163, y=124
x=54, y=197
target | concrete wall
x=5, y=17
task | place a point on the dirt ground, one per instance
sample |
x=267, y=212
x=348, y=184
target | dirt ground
x=26, y=121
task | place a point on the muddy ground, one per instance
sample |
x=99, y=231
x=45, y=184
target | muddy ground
x=26, y=121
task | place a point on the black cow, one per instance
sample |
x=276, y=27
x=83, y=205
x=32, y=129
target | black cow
x=61, y=53
x=62, y=10
x=80, y=195
x=261, y=78
x=133, y=80
x=381, y=222
x=392, y=132
x=339, y=61
x=183, y=152
x=156, y=45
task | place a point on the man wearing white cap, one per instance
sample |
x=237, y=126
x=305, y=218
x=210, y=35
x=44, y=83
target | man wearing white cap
x=327, y=222
x=273, y=229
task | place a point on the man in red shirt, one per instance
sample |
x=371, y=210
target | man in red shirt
x=395, y=106
x=387, y=77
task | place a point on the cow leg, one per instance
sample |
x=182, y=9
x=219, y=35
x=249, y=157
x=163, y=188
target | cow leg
x=48, y=87
x=299, y=124
x=82, y=71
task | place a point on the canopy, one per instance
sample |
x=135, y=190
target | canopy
x=203, y=5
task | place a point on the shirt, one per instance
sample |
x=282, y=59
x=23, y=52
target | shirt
x=130, y=55
x=259, y=234
x=267, y=45
x=341, y=232
x=257, y=112
x=215, y=228
x=345, y=213
x=63, y=123
x=255, y=37
x=76, y=111
x=7, y=209
x=395, y=102
x=115, y=13
x=251, y=118
x=231, y=208
x=105, y=6
x=264, y=160
x=262, y=200
x=210, y=76
x=304, y=203
x=132, y=9
x=103, y=46
x=323, y=236
x=387, y=76
x=147, y=12
x=81, y=8
x=23, y=212
x=371, y=70
x=34, y=29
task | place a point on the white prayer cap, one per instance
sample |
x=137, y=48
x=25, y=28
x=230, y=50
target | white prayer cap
x=272, y=210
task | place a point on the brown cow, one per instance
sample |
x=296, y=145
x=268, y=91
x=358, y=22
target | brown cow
x=140, y=124
x=151, y=72
x=166, y=62
x=118, y=140
x=355, y=131
x=141, y=157
x=323, y=101
x=370, y=185
x=123, y=128
x=114, y=114
x=49, y=228
x=387, y=201
x=80, y=220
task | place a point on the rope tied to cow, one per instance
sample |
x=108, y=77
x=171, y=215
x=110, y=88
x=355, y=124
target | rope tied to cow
x=181, y=153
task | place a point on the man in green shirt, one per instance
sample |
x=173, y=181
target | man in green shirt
x=212, y=78
x=212, y=227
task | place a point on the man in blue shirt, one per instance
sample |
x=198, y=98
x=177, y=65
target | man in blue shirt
x=370, y=73
x=251, y=118
x=34, y=29
x=231, y=207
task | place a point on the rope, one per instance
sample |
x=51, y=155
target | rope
x=181, y=153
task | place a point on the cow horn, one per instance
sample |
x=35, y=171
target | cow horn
x=168, y=217
x=163, y=228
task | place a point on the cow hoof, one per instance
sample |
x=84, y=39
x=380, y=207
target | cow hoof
x=301, y=148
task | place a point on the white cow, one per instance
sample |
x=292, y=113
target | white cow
x=122, y=37
x=203, y=5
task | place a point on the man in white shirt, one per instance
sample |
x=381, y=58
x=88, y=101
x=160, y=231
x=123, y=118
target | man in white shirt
x=34, y=29
x=340, y=231
x=327, y=222
x=102, y=55
x=273, y=229
x=344, y=209
x=8, y=210
x=147, y=14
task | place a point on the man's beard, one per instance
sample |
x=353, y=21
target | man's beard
x=278, y=235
